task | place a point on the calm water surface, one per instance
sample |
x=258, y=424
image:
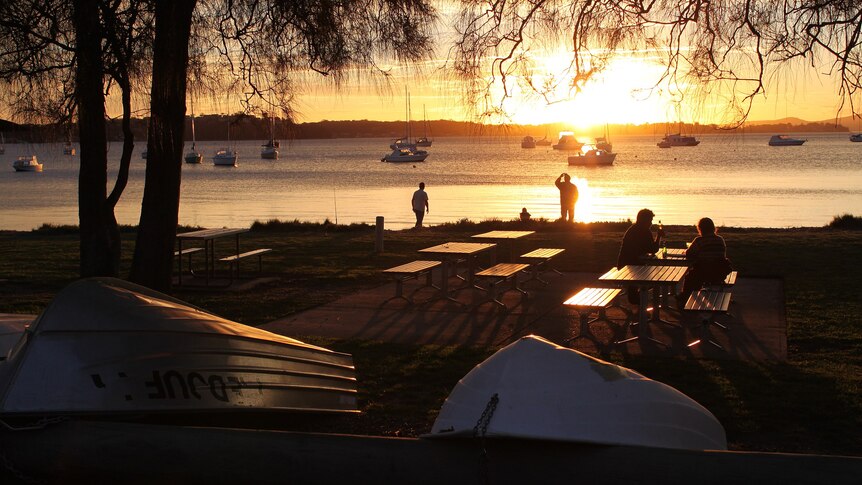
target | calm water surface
x=737, y=180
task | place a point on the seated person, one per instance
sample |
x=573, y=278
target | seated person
x=525, y=216
x=638, y=242
x=708, y=257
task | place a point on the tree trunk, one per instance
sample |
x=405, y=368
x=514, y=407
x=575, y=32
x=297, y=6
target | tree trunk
x=99, y=235
x=154, y=247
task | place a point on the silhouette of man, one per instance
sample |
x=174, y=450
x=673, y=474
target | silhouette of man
x=420, y=204
x=568, y=197
x=638, y=242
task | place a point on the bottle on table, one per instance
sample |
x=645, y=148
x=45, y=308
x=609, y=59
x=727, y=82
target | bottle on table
x=663, y=241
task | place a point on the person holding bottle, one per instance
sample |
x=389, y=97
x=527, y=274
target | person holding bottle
x=637, y=243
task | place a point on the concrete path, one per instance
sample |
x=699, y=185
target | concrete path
x=757, y=328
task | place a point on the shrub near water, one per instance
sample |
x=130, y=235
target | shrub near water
x=846, y=221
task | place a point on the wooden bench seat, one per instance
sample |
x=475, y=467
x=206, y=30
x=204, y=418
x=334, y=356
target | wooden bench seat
x=588, y=301
x=708, y=303
x=497, y=276
x=234, y=259
x=186, y=252
x=413, y=269
x=539, y=260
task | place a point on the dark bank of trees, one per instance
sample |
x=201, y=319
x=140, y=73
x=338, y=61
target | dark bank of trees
x=59, y=59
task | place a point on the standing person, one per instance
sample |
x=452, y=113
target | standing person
x=708, y=256
x=420, y=204
x=638, y=242
x=568, y=197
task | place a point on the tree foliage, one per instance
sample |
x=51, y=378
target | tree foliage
x=724, y=48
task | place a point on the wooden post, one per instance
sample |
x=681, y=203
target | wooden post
x=378, y=241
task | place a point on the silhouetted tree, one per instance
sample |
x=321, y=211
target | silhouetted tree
x=726, y=48
x=51, y=56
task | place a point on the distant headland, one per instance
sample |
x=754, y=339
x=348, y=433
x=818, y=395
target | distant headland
x=244, y=127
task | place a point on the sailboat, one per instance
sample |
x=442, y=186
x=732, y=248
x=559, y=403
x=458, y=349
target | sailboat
x=68, y=149
x=194, y=156
x=402, y=149
x=544, y=142
x=424, y=141
x=270, y=149
x=225, y=157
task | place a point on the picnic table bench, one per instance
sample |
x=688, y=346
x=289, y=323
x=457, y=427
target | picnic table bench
x=413, y=269
x=541, y=258
x=234, y=259
x=500, y=274
x=186, y=252
x=588, y=301
x=708, y=303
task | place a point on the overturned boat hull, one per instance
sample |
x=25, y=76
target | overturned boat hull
x=108, y=347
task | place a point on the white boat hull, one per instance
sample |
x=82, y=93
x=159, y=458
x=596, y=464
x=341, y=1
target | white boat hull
x=105, y=346
x=592, y=160
x=269, y=153
x=547, y=392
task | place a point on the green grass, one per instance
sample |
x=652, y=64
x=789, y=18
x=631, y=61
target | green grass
x=810, y=404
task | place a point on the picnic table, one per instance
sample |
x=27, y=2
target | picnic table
x=646, y=278
x=507, y=238
x=453, y=251
x=208, y=237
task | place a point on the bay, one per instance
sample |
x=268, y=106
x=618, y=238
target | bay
x=738, y=180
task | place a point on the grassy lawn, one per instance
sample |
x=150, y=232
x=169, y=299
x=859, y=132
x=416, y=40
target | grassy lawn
x=810, y=404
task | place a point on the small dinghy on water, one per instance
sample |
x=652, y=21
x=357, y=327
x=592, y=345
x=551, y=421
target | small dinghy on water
x=108, y=347
x=534, y=389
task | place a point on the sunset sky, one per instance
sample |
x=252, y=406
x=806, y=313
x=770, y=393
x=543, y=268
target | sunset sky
x=619, y=95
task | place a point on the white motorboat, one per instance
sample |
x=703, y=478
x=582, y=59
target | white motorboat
x=405, y=155
x=225, y=158
x=593, y=157
x=857, y=137
x=677, y=140
x=534, y=389
x=785, y=141
x=27, y=163
x=528, y=142
x=194, y=156
x=108, y=347
x=567, y=141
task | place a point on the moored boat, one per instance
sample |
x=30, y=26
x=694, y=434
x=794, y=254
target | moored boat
x=225, y=158
x=677, y=140
x=68, y=149
x=567, y=141
x=857, y=137
x=785, y=141
x=405, y=154
x=106, y=347
x=528, y=142
x=194, y=156
x=593, y=158
x=27, y=163
x=538, y=390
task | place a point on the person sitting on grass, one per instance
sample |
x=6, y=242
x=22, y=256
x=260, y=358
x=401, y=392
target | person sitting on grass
x=637, y=243
x=525, y=216
x=708, y=257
